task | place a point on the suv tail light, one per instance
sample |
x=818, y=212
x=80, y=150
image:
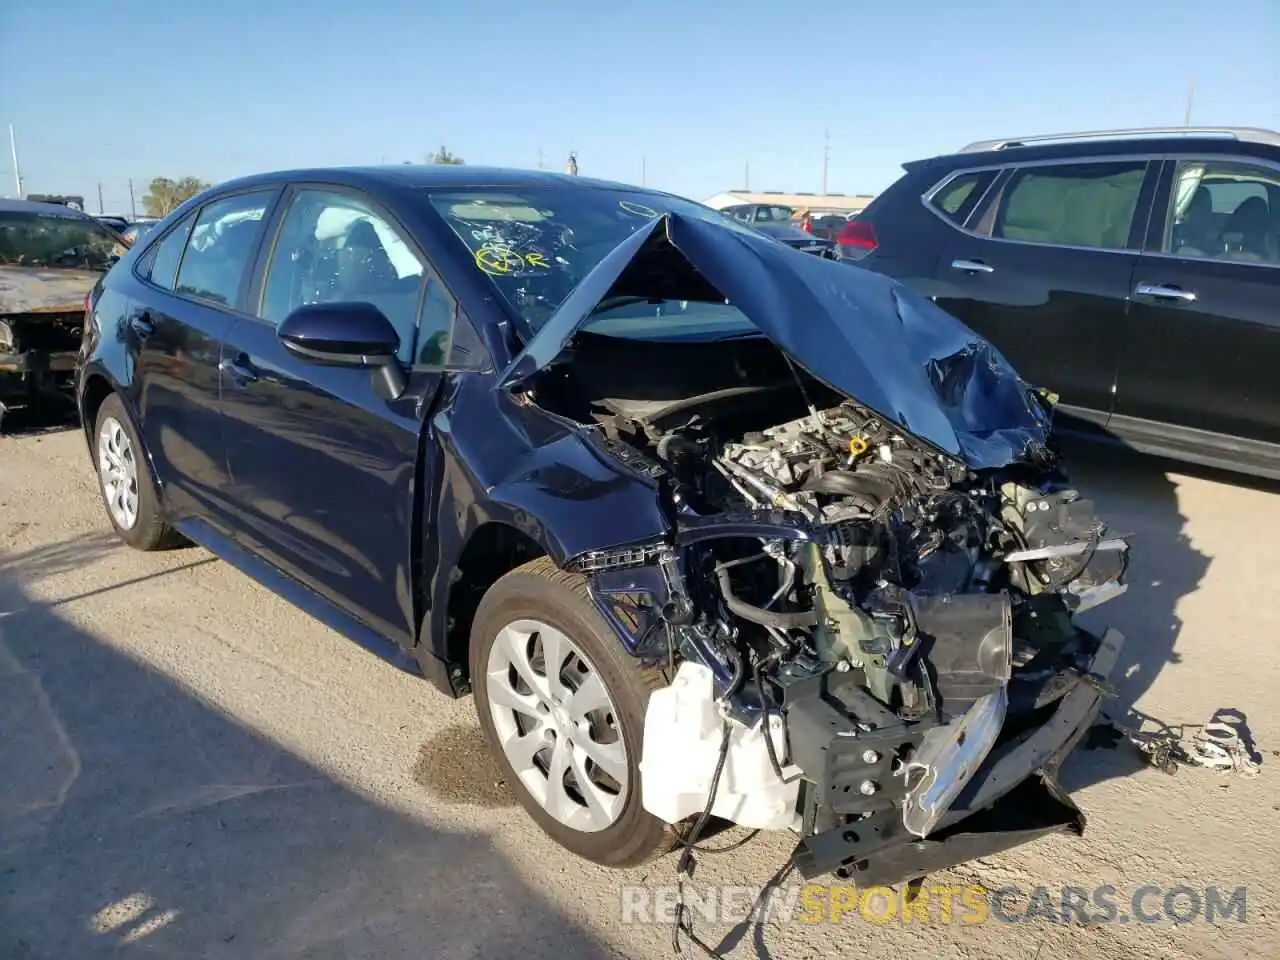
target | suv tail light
x=856, y=240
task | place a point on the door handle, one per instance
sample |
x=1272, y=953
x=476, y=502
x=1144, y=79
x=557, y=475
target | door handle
x=1164, y=293
x=141, y=325
x=972, y=266
x=240, y=370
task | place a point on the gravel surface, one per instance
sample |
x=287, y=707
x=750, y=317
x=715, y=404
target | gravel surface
x=189, y=767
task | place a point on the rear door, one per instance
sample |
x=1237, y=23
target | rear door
x=193, y=277
x=1202, y=346
x=321, y=466
x=1041, y=267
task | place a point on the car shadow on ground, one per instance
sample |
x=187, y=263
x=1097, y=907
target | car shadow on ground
x=45, y=418
x=136, y=819
x=1137, y=496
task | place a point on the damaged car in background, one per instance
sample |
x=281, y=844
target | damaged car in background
x=709, y=527
x=50, y=257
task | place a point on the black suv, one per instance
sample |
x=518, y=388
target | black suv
x=1135, y=273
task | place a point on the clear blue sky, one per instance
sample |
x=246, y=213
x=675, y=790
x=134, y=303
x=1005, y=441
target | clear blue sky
x=101, y=92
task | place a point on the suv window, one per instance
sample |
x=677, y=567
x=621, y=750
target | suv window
x=957, y=196
x=333, y=248
x=1072, y=204
x=1224, y=211
x=221, y=246
x=161, y=266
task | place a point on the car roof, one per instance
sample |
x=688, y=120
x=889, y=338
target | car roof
x=430, y=176
x=1007, y=152
x=33, y=206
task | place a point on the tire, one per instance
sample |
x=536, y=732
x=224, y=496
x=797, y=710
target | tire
x=147, y=530
x=540, y=592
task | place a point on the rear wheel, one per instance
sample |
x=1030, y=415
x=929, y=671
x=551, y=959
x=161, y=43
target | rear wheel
x=124, y=478
x=562, y=706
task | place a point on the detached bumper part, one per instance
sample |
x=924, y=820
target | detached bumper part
x=683, y=734
x=1013, y=797
x=947, y=760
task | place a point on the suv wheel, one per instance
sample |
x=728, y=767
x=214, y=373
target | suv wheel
x=562, y=705
x=130, y=496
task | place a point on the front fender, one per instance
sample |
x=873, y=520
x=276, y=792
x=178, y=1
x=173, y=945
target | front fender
x=518, y=466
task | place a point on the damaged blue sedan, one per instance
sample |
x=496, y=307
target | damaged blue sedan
x=709, y=527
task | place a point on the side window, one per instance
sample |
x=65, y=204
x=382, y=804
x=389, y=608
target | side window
x=333, y=248
x=1078, y=204
x=221, y=246
x=445, y=336
x=956, y=197
x=161, y=266
x=1224, y=211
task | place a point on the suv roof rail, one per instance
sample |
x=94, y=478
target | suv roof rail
x=1247, y=134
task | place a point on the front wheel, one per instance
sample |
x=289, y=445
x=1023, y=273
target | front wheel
x=562, y=705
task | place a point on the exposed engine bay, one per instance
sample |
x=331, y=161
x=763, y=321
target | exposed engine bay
x=873, y=616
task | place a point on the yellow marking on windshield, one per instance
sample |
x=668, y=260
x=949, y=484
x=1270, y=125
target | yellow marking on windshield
x=498, y=260
x=638, y=209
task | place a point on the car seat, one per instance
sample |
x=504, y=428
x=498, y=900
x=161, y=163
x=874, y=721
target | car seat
x=1247, y=232
x=1197, y=234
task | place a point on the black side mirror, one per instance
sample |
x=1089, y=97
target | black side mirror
x=346, y=335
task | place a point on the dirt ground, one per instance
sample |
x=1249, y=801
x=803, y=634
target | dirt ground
x=189, y=767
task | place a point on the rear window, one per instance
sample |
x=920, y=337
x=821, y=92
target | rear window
x=54, y=241
x=1080, y=204
x=957, y=196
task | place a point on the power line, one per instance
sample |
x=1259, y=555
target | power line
x=17, y=172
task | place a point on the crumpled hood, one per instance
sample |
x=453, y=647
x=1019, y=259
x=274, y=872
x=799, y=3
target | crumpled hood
x=868, y=336
x=44, y=289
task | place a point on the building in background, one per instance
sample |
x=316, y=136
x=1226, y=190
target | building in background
x=817, y=204
x=571, y=167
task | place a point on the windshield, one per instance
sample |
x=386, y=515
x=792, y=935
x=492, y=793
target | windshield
x=50, y=240
x=536, y=243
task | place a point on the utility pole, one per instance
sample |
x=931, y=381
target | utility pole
x=133, y=206
x=826, y=157
x=746, y=176
x=540, y=158
x=100, y=210
x=644, y=173
x=1191, y=96
x=17, y=174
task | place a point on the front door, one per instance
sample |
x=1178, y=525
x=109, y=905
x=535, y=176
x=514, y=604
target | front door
x=322, y=469
x=1044, y=274
x=1202, y=347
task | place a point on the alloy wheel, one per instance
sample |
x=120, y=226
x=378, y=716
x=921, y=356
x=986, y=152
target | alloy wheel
x=118, y=473
x=557, y=725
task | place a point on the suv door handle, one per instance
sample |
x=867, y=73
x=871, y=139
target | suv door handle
x=972, y=266
x=240, y=370
x=1164, y=293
